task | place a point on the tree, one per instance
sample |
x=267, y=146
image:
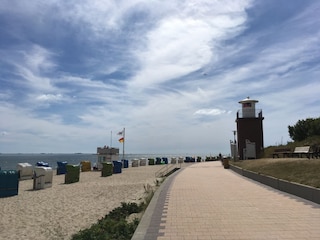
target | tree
x=304, y=129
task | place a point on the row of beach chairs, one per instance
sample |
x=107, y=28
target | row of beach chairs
x=163, y=160
x=41, y=173
x=174, y=160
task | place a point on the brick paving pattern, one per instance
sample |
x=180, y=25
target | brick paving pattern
x=205, y=201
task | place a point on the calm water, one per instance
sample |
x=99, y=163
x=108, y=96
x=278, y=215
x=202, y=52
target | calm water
x=10, y=161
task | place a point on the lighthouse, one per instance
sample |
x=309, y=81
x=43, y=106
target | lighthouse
x=249, y=130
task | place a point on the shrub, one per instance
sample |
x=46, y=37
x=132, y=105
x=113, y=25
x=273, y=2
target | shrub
x=113, y=226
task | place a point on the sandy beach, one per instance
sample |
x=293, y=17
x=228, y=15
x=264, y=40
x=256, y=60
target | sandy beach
x=64, y=209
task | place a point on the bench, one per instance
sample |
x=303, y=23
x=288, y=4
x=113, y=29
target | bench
x=285, y=152
x=300, y=151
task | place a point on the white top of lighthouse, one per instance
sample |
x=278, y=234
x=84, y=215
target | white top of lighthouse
x=248, y=100
x=248, y=107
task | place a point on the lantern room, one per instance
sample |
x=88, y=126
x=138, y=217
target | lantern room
x=248, y=107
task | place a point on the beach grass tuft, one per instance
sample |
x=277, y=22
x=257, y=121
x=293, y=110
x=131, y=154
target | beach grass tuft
x=114, y=225
x=117, y=224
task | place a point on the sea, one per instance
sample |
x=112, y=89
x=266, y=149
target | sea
x=10, y=161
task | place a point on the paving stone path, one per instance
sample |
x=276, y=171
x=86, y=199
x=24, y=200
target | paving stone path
x=205, y=201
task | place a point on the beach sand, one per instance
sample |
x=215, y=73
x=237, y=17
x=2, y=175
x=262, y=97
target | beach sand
x=62, y=210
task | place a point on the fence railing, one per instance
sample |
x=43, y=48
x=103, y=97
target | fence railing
x=255, y=113
x=162, y=172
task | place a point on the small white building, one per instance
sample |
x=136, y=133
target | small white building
x=107, y=154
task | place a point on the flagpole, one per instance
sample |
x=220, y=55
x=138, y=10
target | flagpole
x=124, y=139
x=111, y=140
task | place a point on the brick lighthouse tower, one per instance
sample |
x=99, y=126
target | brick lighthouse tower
x=250, y=130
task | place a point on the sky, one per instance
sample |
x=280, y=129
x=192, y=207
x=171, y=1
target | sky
x=75, y=73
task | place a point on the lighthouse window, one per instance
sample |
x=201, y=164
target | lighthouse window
x=247, y=105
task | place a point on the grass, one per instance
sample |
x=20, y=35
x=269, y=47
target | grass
x=113, y=226
x=299, y=170
x=311, y=141
x=118, y=224
x=121, y=222
x=303, y=171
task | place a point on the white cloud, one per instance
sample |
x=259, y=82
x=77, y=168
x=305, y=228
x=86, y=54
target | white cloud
x=45, y=134
x=38, y=59
x=210, y=112
x=185, y=42
x=50, y=97
x=31, y=66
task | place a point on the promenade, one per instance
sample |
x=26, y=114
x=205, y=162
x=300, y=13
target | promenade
x=204, y=201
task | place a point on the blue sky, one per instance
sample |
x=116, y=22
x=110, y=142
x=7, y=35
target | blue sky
x=170, y=72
